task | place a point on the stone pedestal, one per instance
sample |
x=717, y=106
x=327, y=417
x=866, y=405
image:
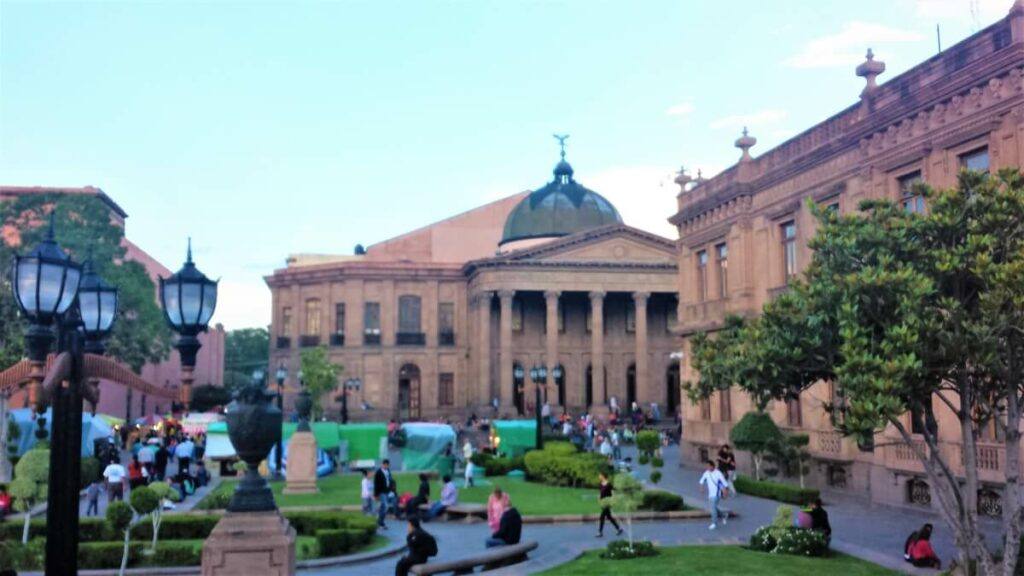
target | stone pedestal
x=250, y=543
x=301, y=469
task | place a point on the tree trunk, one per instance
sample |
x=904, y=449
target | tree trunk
x=157, y=516
x=1011, y=471
x=24, y=531
x=757, y=466
x=124, y=553
x=5, y=464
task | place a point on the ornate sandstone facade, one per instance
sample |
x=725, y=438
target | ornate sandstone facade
x=743, y=233
x=445, y=319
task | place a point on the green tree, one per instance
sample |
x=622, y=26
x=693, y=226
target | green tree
x=789, y=455
x=626, y=499
x=904, y=312
x=162, y=491
x=31, y=481
x=120, y=517
x=208, y=396
x=648, y=445
x=244, y=351
x=756, y=433
x=84, y=229
x=319, y=376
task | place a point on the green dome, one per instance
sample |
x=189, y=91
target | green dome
x=562, y=207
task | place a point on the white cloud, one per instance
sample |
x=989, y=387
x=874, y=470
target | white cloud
x=243, y=304
x=681, y=109
x=981, y=12
x=759, y=118
x=848, y=46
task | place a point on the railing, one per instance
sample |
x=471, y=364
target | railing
x=283, y=342
x=906, y=452
x=710, y=309
x=371, y=338
x=338, y=339
x=830, y=442
x=989, y=457
x=410, y=338
x=309, y=341
x=446, y=338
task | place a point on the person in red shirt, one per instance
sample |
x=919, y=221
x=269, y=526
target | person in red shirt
x=922, y=554
x=136, y=473
x=5, y=502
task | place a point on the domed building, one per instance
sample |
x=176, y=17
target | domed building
x=449, y=319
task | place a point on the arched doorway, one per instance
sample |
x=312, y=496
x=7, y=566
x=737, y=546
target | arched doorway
x=588, y=391
x=560, y=383
x=672, y=388
x=519, y=387
x=409, y=392
x=630, y=386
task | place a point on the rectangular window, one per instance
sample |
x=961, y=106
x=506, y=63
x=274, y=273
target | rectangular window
x=517, y=315
x=371, y=318
x=976, y=159
x=409, y=314
x=789, y=249
x=910, y=199
x=793, y=413
x=725, y=406
x=446, y=389
x=722, y=252
x=702, y=275
x=312, y=317
x=832, y=208
x=630, y=316
x=339, y=318
x=446, y=324
x=286, y=321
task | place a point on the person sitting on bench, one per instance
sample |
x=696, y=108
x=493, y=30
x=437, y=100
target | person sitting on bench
x=449, y=496
x=510, y=529
x=422, y=546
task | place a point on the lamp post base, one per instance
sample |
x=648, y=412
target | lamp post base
x=301, y=470
x=250, y=543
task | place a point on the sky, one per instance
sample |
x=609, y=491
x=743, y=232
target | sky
x=268, y=129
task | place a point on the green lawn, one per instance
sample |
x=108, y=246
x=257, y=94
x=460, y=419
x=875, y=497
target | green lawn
x=530, y=498
x=719, y=561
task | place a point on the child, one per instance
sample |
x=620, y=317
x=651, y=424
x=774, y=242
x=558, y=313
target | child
x=202, y=474
x=92, y=493
x=367, y=493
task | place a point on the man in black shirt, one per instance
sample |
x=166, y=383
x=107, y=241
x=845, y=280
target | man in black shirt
x=510, y=529
x=384, y=490
x=421, y=547
x=819, y=519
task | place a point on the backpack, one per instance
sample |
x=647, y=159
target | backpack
x=429, y=544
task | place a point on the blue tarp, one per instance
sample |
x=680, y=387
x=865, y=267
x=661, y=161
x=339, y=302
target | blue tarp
x=93, y=428
x=425, y=445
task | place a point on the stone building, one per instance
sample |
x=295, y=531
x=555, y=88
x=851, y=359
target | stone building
x=115, y=399
x=445, y=319
x=743, y=233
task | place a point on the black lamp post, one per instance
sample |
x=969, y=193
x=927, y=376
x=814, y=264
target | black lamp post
x=188, y=298
x=539, y=375
x=50, y=288
x=281, y=375
x=353, y=384
x=518, y=374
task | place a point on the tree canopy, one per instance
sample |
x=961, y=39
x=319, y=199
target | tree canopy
x=319, y=376
x=245, y=350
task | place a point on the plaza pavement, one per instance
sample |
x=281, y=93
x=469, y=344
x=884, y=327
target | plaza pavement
x=870, y=531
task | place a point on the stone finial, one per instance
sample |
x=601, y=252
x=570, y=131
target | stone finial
x=869, y=70
x=700, y=177
x=682, y=178
x=745, y=143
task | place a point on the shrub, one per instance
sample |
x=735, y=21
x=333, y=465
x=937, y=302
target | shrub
x=334, y=542
x=16, y=556
x=756, y=433
x=562, y=468
x=143, y=500
x=93, y=555
x=643, y=460
x=622, y=550
x=655, y=477
x=561, y=448
x=648, y=441
x=776, y=491
x=657, y=462
x=217, y=500
x=801, y=542
x=175, y=554
x=497, y=466
x=661, y=501
x=762, y=540
x=308, y=523
x=178, y=527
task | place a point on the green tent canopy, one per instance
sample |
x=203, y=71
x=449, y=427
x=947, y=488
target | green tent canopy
x=326, y=433
x=363, y=440
x=516, y=436
x=425, y=445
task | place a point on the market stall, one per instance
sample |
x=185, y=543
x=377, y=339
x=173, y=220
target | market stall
x=427, y=446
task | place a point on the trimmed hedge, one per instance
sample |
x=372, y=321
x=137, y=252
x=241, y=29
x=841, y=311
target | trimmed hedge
x=216, y=500
x=776, y=491
x=661, y=501
x=177, y=527
x=106, y=554
x=308, y=523
x=89, y=530
x=174, y=554
x=560, y=464
x=497, y=466
x=341, y=541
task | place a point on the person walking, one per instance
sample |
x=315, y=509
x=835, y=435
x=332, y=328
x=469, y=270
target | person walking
x=605, y=493
x=727, y=465
x=92, y=495
x=160, y=458
x=384, y=490
x=714, y=482
x=616, y=445
x=114, y=474
x=421, y=547
x=366, y=493
x=184, y=452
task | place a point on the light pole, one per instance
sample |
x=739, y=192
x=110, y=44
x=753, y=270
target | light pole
x=281, y=375
x=538, y=374
x=518, y=375
x=188, y=298
x=51, y=289
x=353, y=384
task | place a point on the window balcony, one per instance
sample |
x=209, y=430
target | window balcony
x=371, y=337
x=309, y=341
x=446, y=338
x=410, y=338
x=283, y=342
x=338, y=339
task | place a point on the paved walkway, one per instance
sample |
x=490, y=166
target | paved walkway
x=873, y=532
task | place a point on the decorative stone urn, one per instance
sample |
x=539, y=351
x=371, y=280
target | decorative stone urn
x=252, y=537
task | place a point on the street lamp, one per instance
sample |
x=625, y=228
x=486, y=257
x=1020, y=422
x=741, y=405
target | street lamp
x=538, y=374
x=281, y=375
x=353, y=384
x=188, y=299
x=518, y=374
x=51, y=288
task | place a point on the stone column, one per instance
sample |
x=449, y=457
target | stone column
x=551, y=298
x=597, y=347
x=483, y=303
x=505, y=355
x=643, y=391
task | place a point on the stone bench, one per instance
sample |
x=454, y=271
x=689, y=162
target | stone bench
x=489, y=560
x=468, y=512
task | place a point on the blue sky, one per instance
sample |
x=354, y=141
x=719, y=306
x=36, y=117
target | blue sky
x=264, y=129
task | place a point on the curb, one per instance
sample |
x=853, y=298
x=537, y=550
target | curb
x=637, y=516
